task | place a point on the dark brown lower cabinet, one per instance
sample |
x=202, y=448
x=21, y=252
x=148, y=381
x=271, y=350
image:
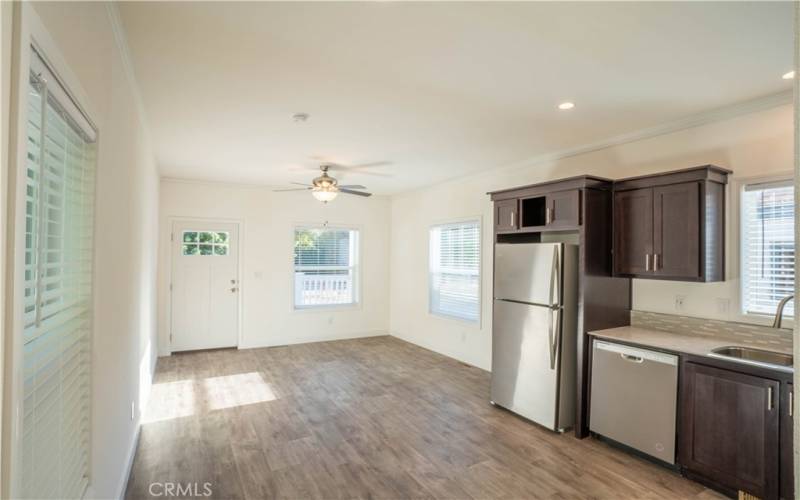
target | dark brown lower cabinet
x=787, y=457
x=729, y=429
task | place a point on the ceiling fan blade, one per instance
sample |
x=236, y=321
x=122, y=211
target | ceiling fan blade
x=352, y=186
x=357, y=193
x=371, y=164
x=351, y=172
x=301, y=184
x=342, y=166
x=290, y=189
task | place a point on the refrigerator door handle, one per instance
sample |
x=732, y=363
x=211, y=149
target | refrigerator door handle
x=555, y=279
x=553, y=336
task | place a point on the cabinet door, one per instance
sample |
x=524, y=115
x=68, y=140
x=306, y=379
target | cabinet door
x=729, y=429
x=676, y=231
x=633, y=231
x=787, y=459
x=564, y=209
x=506, y=216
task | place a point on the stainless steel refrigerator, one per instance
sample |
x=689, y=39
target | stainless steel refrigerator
x=534, y=331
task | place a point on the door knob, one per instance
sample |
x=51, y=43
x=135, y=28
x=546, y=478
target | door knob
x=234, y=289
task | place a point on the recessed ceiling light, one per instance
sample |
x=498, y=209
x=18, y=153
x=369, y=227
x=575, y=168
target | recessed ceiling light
x=300, y=117
x=788, y=76
x=566, y=105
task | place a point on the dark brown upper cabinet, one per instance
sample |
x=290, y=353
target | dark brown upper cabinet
x=564, y=209
x=506, y=216
x=549, y=206
x=671, y=226
x=729, y=429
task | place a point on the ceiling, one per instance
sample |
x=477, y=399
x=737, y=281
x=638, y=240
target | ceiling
x=432, y=90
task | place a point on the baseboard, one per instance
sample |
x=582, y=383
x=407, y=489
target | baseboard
x=427, y=347
x=273, y=342
x=129, y=461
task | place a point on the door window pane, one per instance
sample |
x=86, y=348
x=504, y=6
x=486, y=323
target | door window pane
x=205, y=242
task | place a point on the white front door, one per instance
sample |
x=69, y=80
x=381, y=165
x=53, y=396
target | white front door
x=205, y=285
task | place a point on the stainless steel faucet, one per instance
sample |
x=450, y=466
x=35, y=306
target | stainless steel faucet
x=779, y=311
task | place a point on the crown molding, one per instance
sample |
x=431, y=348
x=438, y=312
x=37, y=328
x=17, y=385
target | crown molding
x=715, y=115
x=127, y=64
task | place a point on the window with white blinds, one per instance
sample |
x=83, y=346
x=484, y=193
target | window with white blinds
x=59, y=220
x=325, y=267
x=767, y=246
x=454, y=270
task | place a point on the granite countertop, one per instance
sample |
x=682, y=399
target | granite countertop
x=700, y=345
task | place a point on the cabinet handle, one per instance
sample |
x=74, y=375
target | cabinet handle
x=769, y=398
x=548, y=215
x=513, y=219
x=655, y=262
x=647, y=262
x=791, y=403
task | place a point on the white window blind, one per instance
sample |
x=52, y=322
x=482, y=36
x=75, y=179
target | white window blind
x=767, y=246
x=455, y=261
x=59, y=210
x=325, y=267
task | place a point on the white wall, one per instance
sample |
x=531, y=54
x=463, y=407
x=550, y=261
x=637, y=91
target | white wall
x=6, y=13
x=755, y=144
x=123, y=353
x=268, y=220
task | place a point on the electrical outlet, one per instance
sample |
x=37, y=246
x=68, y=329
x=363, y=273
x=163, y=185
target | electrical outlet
x=723, y=305
x=463, y=336
x=679, y=300
x=133, y=410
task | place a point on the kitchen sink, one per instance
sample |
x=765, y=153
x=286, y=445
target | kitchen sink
x=758, y=357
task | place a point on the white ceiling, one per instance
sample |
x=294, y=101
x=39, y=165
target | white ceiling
x=436, y=89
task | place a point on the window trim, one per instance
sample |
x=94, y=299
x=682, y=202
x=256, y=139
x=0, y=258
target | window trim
x=478, y=323
x=31, y=34
x=737, y=312
x=358, y=280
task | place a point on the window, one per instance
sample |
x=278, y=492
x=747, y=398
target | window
x=57, y=303
x=455, y=263
x=767, y=246
x=205, y=242
x=325, y=267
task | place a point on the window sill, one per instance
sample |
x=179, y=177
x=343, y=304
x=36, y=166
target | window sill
x=327, y=308
x=466, y=322
x=763, y=320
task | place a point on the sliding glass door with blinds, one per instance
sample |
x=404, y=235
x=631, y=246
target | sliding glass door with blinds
x=767, y=246
x=53, y=451
x=455, y=263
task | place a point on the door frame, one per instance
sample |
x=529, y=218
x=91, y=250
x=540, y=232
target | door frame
x=171, y=221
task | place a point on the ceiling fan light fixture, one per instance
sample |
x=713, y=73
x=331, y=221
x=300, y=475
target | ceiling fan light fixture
x=325, y=193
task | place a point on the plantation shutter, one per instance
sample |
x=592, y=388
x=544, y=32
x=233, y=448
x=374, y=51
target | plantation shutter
x=454, y=288
x=59, y=211
x=767, y=226
x=325, y=266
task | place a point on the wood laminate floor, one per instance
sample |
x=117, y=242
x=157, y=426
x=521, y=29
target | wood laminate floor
x=365, y=418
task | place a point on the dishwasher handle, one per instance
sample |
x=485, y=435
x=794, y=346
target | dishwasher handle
x=631, y=358
x=636, y=355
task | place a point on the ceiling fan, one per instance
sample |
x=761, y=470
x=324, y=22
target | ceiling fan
x=325, y=188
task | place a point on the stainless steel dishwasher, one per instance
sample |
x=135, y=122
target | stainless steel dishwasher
x=634, y=398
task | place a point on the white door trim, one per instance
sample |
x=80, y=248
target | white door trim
x=171, y=220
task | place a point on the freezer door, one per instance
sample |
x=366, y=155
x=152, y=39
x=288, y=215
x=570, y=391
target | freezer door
x=525, y=360
x=528, y=272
